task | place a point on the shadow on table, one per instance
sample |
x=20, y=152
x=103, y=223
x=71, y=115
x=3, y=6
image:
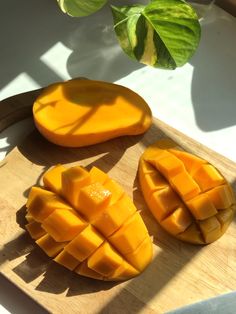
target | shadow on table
x=89, y=44
x=213, y=81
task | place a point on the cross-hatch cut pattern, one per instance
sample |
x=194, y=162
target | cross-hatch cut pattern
x=187, y=195
x=86, y=222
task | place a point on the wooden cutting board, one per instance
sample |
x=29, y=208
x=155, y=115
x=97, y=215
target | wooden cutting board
x=180, y=273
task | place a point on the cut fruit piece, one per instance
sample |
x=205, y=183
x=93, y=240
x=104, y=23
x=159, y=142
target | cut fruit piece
x=37, y=191
x=211, y=229
x=114, y=216
x=142, y=256
x=73, y=179
x=163, y=202
x=35, y=229
x=85, y=243
x=83, y=112
x=81, y=238
x=63, y=225
x=225, y=217
x=169, y=166
x=153, y=182
x=207, y=177
x=192, y=234
x=130, y=235
x=50, y=246
x=190, y=161
x=52, y=179
x=124, y=272
x=189, y=205
x=43, y=205
x=67, y=260
x=93, y=199
x=84, y=270
x=202, y=207
x=221, y=196
x=98, y=175
x=178, y=221
x=115, y=189
x=105, y=260
x=185, y=186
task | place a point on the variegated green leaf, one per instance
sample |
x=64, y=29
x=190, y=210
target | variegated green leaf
x=80, y=7
x=164, y=34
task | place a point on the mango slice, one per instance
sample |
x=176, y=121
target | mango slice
x=83, y=112
x=88, y=224
x=187, y=195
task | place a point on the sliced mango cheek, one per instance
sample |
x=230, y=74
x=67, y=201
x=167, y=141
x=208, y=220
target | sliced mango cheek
x=187, y=195
x=95, y=230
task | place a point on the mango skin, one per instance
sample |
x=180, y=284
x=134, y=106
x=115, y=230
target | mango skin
x=187, y=195
x=83, y=112
x=88, y=224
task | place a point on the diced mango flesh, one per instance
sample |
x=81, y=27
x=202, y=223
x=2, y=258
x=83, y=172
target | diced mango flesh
x=67, y=260
x=178, y=222
x=114, y=216
x=34, y=192
x=42, y=205
x=85, y=243
x=98, y=175
x=93, y=199
x=49, y=245
x=52, y=179
x=130, y=235
x=92, y=228
x=35, y=229
x=73, y=179
x=196, y=202
x=63, y=225
x=105, y=260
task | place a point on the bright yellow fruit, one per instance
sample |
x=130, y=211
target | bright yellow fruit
x=88, y=224
x=187, y=195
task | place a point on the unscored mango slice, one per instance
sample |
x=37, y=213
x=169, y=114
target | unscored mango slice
x=187, y=195
x=88, y=224
x=82, y=112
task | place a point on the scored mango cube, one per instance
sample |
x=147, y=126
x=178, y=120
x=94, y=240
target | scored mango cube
x=208, y=177
x=49, y=245
x=73, y=179
x=92, y=228
x=114, y=216
x=63, y=225
x=130, y=235
x=185, y=186
x=36, y=191
x=35, y=229
x=85, y=243
x=178, y=221
x=98, y=175
x=197, y=204
x=52, y=179
x=169, y=166
x=105, y=260
x=44, y=204
x=67, y=260
x=93, y=199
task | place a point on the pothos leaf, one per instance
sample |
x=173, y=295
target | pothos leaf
x=164, y=33
x=80, y=7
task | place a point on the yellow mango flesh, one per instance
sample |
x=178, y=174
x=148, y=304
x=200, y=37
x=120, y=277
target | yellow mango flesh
x=95, y=230
x=187, y=195
x=83, y=112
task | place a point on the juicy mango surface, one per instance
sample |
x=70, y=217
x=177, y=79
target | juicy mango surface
x=87, y=223
x=187, y=195
x=82, y=112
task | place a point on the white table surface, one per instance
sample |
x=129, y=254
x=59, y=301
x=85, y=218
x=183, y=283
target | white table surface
x=40, y=45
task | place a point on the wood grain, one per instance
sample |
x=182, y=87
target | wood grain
x=180, y=273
